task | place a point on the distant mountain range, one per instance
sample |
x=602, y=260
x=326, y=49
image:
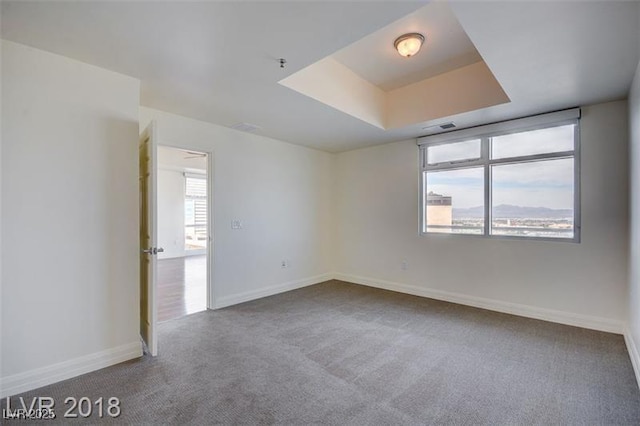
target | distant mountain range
x=509, y=211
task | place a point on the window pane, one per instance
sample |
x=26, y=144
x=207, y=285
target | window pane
x=454, y=201
x=467, y=150
x=196, y=187
x=542, y=141
x=196, y=235
x=533, y=199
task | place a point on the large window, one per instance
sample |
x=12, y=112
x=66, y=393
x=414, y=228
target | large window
x=513, y=179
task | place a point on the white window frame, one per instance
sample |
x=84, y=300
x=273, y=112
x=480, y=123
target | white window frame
x=485, y=133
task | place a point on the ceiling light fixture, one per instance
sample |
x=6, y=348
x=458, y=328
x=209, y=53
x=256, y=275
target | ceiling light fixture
x=409, y=44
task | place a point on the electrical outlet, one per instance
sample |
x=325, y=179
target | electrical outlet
x=404, y=265
x=236, y=224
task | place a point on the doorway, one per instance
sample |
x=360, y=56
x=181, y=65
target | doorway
x=183, y=232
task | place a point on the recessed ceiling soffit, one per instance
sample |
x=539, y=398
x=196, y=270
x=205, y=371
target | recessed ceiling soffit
x=370, y=81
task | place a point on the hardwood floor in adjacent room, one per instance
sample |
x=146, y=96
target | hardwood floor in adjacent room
x=182, y=286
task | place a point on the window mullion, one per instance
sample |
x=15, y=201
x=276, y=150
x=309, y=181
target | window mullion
x=455, y=166
x=487, y=184
x=536, y=157
x=577, y=184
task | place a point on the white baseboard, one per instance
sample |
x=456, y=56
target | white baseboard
x=568, y=318
x=632, y=348
x=247, y=296
x=33, y=379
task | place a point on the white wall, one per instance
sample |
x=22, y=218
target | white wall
x=1, y=257
x=633, y=333
x=70, y=297
x=280, y=192
x=69, y=141
x=170, y=213
x=586, y=283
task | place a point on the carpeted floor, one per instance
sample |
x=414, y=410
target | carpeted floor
x=337, y=353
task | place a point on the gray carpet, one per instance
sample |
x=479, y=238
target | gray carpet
x=338, y=353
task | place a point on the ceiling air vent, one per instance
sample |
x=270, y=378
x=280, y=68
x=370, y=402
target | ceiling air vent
x=246, y=127
x=439, y=126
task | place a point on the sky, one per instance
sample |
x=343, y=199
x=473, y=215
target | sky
x=546, y=183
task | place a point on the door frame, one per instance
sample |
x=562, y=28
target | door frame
x=210, y=219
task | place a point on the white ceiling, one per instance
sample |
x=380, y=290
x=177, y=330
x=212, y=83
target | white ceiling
x=446, y=47
x=181, y=160
x=218, y=61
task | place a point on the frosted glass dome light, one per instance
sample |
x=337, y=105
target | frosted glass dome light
x=408, y=45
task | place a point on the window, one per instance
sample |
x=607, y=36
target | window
x=195, y=212
x=513, y=179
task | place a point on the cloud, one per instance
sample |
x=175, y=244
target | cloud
x=453, y=151
x=546, y=183
x=553, y=139
x=465, y=186
x=548, y=173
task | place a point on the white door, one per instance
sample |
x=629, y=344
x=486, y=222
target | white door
x=148, y=237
